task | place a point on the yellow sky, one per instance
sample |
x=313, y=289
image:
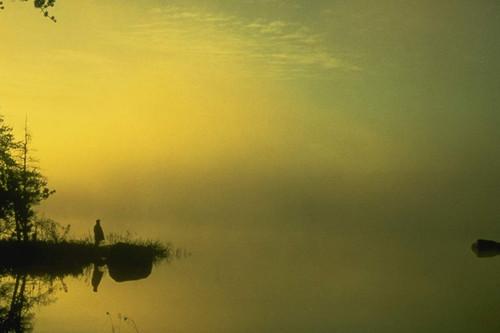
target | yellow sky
x=196, y=89
x=103, y=90
x=224, y=125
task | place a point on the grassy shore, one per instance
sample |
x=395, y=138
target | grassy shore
x=71, y=257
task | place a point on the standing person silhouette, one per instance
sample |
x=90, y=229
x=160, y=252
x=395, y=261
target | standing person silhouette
x=98, y=233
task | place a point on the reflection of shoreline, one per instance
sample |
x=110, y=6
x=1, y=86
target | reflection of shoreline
x=124, y=261
x=63, y=258
x=19, y=294
x=32, y=273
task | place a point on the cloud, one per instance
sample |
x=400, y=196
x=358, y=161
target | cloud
x=273, y=27
x=284, y=49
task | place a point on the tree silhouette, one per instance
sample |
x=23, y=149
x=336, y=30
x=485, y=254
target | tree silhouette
x=8, y=145
x=22, y=186
x=30, y=188
x=42, y=5
x=20, y=294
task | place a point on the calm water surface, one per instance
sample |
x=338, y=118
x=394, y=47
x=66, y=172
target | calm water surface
x=370, y=281
x=327, y=163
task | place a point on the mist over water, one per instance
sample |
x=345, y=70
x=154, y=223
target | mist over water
x=327, y=165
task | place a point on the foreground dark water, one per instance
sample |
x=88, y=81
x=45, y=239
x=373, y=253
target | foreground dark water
x=370, y=281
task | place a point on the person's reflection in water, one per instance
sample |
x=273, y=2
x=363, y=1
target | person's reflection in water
x=97, y=275
x=98, y=233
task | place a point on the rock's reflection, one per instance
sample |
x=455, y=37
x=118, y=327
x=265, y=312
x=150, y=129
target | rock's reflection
x=126, y=265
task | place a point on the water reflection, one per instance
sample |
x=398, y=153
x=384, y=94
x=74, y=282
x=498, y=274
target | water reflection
x=126, y=265
x=30, y=281
x=19, y=294
x=97, y=274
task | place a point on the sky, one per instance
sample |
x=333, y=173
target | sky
x=286, y=113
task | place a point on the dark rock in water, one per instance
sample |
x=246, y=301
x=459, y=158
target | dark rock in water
x=486, y=248
x=128, y=262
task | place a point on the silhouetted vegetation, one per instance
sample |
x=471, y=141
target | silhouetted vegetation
x=57, y=259
x=16, y=303
x=22, y=187
x=121, y=318
x=42, y=5
x=36, y=254
x=31, y=272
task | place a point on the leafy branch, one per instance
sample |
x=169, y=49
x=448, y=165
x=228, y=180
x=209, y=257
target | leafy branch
x=43, y=5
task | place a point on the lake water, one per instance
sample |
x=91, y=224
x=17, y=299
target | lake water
x=327, y=164
x=370, y=281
